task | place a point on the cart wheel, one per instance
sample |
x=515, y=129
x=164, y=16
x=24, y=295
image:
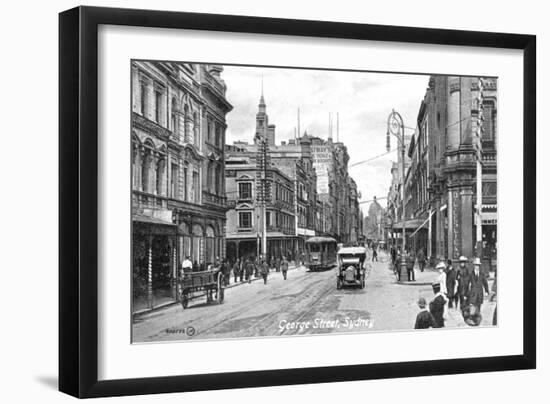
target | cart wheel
x=338, y=284
x=184, y=301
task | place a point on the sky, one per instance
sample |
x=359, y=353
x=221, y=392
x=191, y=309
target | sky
x=363, y=101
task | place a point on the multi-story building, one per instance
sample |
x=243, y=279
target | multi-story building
x=441, y=191
x=244, y=221
x=178, y=189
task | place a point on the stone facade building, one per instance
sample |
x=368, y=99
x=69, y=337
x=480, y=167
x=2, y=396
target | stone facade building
x=244, y=224
x=441, y=191
x=178, y=189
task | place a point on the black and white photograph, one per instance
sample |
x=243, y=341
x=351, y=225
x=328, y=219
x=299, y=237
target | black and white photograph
x=274, y=202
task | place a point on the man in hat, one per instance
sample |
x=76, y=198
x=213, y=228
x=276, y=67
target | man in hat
x=410, y=258
x=437, y=306
x=424, y=318
x=451, y=284
x=461, y=281
x=442, y=277
x=476, y=285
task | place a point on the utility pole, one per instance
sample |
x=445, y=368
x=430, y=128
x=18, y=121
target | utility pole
x=264, y=189
x=397, y=128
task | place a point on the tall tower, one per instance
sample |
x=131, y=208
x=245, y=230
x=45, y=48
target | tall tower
x=263, y=129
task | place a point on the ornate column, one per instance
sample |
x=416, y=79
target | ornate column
x=453, y=113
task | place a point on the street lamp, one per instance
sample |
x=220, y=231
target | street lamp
x=397, y=129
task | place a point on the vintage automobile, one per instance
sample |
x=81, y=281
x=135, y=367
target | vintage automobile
x=351, y=267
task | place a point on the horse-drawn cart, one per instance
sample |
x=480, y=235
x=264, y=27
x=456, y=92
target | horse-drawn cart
x=210, y=282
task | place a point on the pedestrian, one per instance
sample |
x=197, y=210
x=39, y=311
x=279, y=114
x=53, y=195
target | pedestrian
x=450, y=274
x=257, y=267
x=278, y=263
x=410, y=266
x=397, y=265
x=393, y=252
x=442, y=277
x=461, y=281
x=264, y=269
x=186, y=265
x=249, y=270
x=437, y=306
x=476, y=286
x=424, y=318
x=225, y=270
x=237, y=270
x=374, y=253
x=284, y=267
x=421, y=257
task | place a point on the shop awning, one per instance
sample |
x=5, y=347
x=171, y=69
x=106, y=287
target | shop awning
x=411, y=224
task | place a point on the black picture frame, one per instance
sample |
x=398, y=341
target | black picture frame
x=78, y=200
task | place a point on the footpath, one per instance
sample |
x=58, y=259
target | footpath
x=394, y=304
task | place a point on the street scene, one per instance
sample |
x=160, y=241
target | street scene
x=272, y=202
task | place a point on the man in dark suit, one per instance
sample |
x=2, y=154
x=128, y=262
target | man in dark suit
x=410, y=266
x=476, y=286
x=437, y=306
x=462, y=277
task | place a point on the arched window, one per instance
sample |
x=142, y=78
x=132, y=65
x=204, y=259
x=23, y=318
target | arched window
x=211, y=251
x=210, y=176
x=219, y=180
x=136, y=162
x=196, y=129
x=197, y=244
x=174, y=117
x=489, y=120
x=148, y=179
x=187, y=120
x=161, y=175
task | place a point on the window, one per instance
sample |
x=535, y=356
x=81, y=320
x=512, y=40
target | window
x=245, y=190
x=143, y=97
x=158, y=106
x=219, y=180
x=245, y=220
x=174, y=117
x=185, y=187
x=174, y=170
x=210, y=177
x=268, y=219
x=488, y=121
x=196, y=188
x=218, y=136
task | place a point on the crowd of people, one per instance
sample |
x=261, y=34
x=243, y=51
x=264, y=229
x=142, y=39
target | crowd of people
x=244, y=269
x=462, y=289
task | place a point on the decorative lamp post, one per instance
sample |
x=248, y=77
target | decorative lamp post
x=397, y=129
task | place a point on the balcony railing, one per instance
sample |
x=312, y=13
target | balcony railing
x=146, y=200
x=214, y=199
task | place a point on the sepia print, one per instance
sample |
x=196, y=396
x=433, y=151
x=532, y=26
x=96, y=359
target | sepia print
x=271, y=202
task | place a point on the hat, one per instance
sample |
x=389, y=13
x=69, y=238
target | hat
x=463, y=259
x=477, y=261
x=441, y=265
x=422, y=302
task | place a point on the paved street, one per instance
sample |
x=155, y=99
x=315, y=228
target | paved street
x=306, y=303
